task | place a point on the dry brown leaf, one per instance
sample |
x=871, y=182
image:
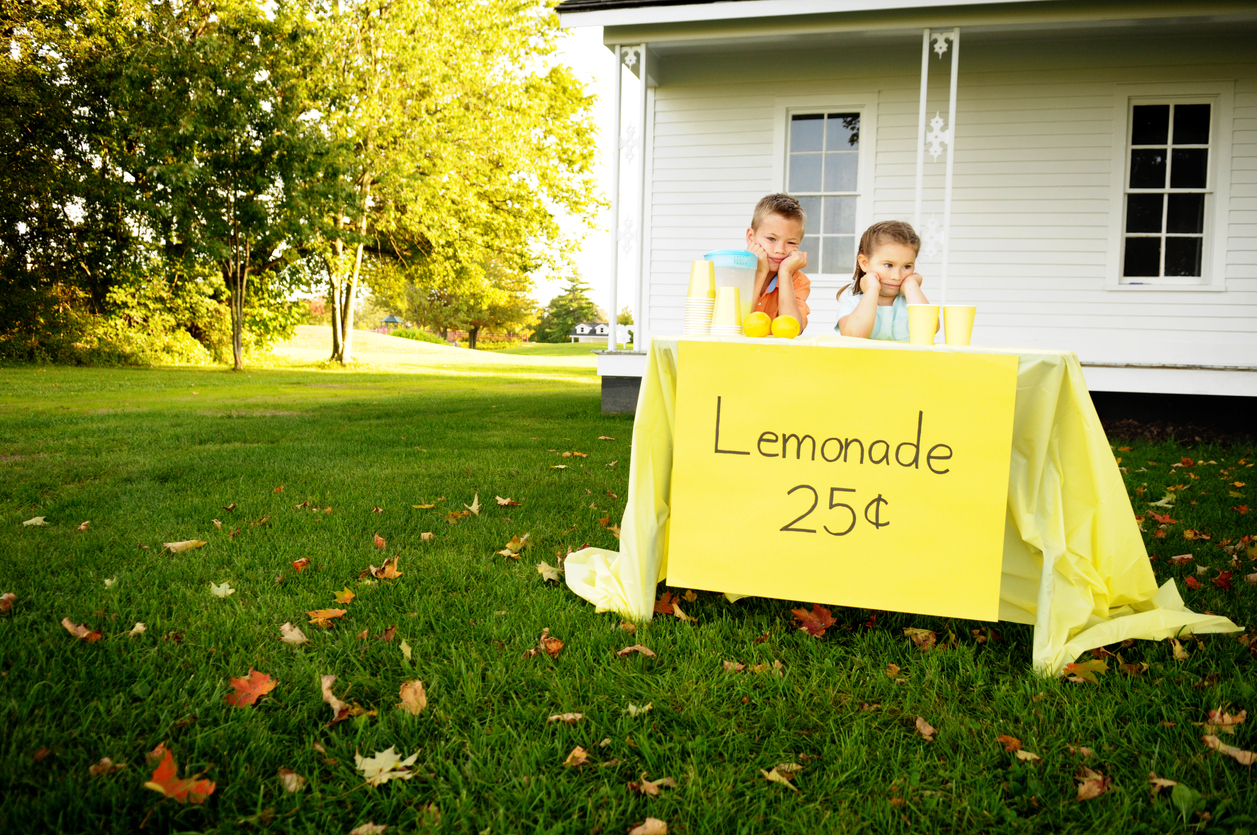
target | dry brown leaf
x=576, y=758
x=1180, y=654
x=1081, y=749
x=550, y=646
x=1158, y=784
x=634, y=710
x=650, y=826
x=138, y=629
x=106, y=766
x=218, y=525
x=414, y=700
x=324, y=617
x=925, y=729
x=474, y=507
x=80, y=632
x=291, y=781
x=1224, y=722
x=427, y=536
x=569, y=718
x=249, y=689
x=923, y=638
x=646, y=651
x=776, y=776
x=1010, y=743
x=1028, y=756
x=1091, y=784
x=734, y=666
x=628, y=627
x=369, y=828
x=1241, y=756
x=549, y=572
x=290, y=634
x=506, y=502
x=517, y=544
x=681, y=616
x=344, y=595
x=6, y=601
x=85, y=525
x=185, y=545
x=378, y=540
x=651, y=788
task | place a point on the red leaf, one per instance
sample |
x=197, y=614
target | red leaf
x=663, y=606
x=249, y=690
x=379, y=541
x=1193, y=583
x=814, y=622
x=166, y=781
x=1164, y=520
x=1223, y=580
x=1242, y=509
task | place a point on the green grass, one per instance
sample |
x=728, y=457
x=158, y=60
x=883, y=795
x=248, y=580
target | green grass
x=151, y=456
x=557, y=349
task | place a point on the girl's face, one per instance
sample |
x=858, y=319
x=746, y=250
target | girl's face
x=891, y=263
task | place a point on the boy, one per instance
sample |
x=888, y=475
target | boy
x=774, y=237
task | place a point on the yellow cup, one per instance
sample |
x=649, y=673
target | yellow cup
x=922, y=323
x=702, y=279
x=728, y=308
x=958, y=323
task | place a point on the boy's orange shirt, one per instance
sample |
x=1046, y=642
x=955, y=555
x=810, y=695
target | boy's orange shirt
x=802, y=289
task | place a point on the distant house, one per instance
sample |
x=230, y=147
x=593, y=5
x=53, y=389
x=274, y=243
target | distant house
x=590, y=332
x=1100, y=195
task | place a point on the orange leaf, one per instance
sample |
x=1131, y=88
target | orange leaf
x=323, y=617
x=165, y=780
x=550, y=646
x=344, y=595
x=814, y=622
x=80, y=632
x=301, y=564
x=646, y=651
x=379, y=541
x=663, y=606
x=249, y=690
x=6, y=601
x=1010, y=743
x=1091, y=784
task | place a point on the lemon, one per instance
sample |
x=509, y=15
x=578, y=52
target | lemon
x=757, y=324
x=785, y=327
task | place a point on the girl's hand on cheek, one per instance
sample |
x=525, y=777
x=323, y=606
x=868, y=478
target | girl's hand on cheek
x=870, y=284
x=913, y=280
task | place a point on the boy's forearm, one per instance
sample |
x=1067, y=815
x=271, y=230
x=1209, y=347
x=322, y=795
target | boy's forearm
x=787, y=303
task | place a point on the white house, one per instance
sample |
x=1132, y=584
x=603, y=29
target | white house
x=1100, y=194
x=589, y=332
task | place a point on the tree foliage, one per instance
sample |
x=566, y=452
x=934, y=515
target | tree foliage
x=566, y=310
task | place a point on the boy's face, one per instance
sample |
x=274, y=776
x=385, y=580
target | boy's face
x=779, y=236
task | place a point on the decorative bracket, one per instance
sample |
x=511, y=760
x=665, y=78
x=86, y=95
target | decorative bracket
x=630, y=55
x=940, y=43
x=627, y=239
x=937, y=137
x=629, y=142
x=932, y=236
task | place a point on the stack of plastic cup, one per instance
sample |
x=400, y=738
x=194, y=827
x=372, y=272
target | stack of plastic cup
x=700, y=301
x=727, y=321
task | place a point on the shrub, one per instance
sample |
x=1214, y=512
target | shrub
x=421, y=336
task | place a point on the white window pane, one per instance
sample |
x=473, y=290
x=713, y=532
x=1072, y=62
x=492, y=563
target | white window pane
x=839, y=216
x=838, y=255
x=807, y=133
x=805, y=172
x=840, y=171
x=842, y=132
x=811, y=208
x=812, y=246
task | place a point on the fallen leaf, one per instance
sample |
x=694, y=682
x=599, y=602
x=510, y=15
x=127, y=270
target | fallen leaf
x=385, y=766
x=651, y=788
x=558, y=467
x=1180, y=654
x=628, y=627
x=344, y=595
x=1010, y=743
x=663, y=606
x=650, y=826
x=165, y=779
x=776, y=776
x=634, y=710
x=6, y=601
x=1159, y=783
x=925, y=730
x=1224, y=722
x=1223, y=580
x=301, y=564
x=549, y=572
x=106, y=766
x=814, y=622
x=260, y=522
x=1181, y=558
x=1028, y=756
x=517, y=544
x=578, y=757
x=37, y=521
x=278, y=489
x=923, y=638
x=138, y=629
x=290, y=634
x=291, y=781
x=80, y=632
x=1086, y=670
x=323, y=617
x=185, y=545
x=426, y=536
x=680, y=615
x=646, y=651
x=250, y=689
x=1242, y=757
x=387, y=635
x=605, y=438
x=378, y=540
x=550, y=646
x=414, y=699
x=369, y=828
x=474, y=507
x=1091, y=784
x=1163, y=519
x=733, y=666
x=405, y=648
x=229, y=507
x=386, y=571
x=109, y=581
x=775, y=667
x=569, y=718
x=1193, y=583
x=84, y=526
x=891, y=670
x=364, y=634
x=221, y=590
x=1083, y=750
x=423, y=506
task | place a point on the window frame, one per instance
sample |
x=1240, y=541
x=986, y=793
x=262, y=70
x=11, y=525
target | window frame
x=863, y=103
x=1220, y=96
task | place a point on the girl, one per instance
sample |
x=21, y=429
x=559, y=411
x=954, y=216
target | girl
x=884, y=284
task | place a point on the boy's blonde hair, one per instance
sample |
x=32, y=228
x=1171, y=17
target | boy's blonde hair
x=778, y=204
x=882, y=232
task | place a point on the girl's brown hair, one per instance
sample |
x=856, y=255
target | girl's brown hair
x=883, y=232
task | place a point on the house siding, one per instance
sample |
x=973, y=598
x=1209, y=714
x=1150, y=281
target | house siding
x=1033, y=183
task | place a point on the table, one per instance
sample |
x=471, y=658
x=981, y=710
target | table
x=1074, y=562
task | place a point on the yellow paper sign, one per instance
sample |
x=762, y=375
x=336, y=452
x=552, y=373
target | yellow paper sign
x=865, y=477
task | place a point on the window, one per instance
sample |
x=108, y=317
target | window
x=1167, y=191
x=823, y=168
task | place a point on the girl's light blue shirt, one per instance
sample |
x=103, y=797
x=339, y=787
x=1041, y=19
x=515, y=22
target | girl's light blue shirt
x=892, y=319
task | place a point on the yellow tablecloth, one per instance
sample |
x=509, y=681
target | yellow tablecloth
x=1074, y=562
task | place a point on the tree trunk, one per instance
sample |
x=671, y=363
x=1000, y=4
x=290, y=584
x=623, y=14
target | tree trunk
x=471, y=337
x=236, y=279
x=334, y=279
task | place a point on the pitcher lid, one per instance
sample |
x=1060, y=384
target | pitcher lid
x=737, y=258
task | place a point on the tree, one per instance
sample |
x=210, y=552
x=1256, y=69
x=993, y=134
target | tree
x=625, y=317
x=566, y=310
x=458, y=144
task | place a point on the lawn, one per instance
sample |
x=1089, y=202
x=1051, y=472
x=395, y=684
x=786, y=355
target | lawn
x=565, y=349
x=298, y=462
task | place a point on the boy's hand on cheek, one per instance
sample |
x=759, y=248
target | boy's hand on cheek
x=761, y=256
x=793, y=262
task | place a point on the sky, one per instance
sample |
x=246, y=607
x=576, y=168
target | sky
x=582, y=50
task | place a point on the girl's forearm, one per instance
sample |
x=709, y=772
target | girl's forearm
x=860, y=321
